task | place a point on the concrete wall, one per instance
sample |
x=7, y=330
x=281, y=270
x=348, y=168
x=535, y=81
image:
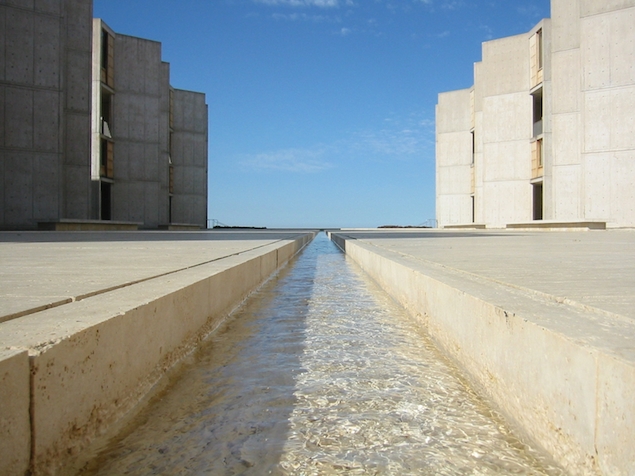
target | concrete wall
x=189, y=158
x=506, y=130
x=139, y=83
x=45, y=108
x=454, y=158
x=92, y=361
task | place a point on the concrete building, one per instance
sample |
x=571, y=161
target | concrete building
x=545, y=133
x=149, y=147
x=89, y=126
x=45, y=61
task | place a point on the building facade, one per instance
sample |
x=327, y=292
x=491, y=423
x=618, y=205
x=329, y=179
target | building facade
x=44, y=111
x=89, y=126
x=545, y=133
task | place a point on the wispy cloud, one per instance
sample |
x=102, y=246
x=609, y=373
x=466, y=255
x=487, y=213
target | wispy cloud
x=288, y=160
x=302, y=3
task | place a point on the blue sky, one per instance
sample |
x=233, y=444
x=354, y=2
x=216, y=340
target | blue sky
x=321, y=112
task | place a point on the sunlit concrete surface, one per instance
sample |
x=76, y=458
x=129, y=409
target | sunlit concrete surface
x=99, y=318
x=542, y=322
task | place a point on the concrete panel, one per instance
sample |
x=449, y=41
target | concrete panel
x=151, y=205
x=596, y=53
x=598, y=119
x=506, y=202
x=151, y=159
x=200, y=150
x=28, y=4
x=454, y=209
x=121, y=161
x=200, y=183
x=79, y=25
x=622, y=34
x=566, y=82
x=76, y=192
x=454, y=180
x=15, y=429
x=77, y=145
x=78, y=81
x=593, y=7
x=453, y=111
x=3, y=41
x=18, y=118
x=567, y=187
x=19, y=46
x=135, y=164
x=46, y=179
x=18, y=188
x=622, y=107
x=507, y=161
x=151, y=51
x=622, y=191
x=48, y=6
x=454, y=148
x=46, y=126
x=566, y=129
x=597, y=186
x=505, y=66
x=507, y=117
x=565, y=24
x=46, y=51
x=151, y=113
x=135, y=199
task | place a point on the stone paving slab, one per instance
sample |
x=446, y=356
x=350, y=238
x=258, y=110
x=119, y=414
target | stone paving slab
x=39, y=270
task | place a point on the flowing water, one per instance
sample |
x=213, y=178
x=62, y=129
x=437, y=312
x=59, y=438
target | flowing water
x=319, y=373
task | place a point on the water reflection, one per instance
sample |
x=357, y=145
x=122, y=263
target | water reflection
x=320, y=373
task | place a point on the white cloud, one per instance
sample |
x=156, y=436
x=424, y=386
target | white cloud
x=289, y=160
x=345, y=31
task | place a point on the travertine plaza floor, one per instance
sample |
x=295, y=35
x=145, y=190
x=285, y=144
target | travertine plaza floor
x=39, y=270
x=595, y=269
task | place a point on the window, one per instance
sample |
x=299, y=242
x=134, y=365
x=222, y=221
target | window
x=537, y=201
x=537, y=112
x=106, y=114
x=473, y=145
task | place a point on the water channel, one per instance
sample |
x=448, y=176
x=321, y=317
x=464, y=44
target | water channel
x=319, y=373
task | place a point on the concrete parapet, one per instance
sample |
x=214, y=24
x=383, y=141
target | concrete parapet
x=92, y=361
x=88, y=225
x=558, y=225
x=562, y=373
x=15, y=431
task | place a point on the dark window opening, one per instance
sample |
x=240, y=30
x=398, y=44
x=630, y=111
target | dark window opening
x=473, y=209
x=105, y=206
x=537, y=112
x=473, y=145
x=104, y=49
x=106, y=114
x=537, y=199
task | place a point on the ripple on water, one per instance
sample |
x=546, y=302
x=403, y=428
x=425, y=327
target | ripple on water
x=319, y=373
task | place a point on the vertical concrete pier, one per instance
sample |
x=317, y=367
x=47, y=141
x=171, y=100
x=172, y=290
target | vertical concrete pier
x=543, y=323
x=91, y=322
